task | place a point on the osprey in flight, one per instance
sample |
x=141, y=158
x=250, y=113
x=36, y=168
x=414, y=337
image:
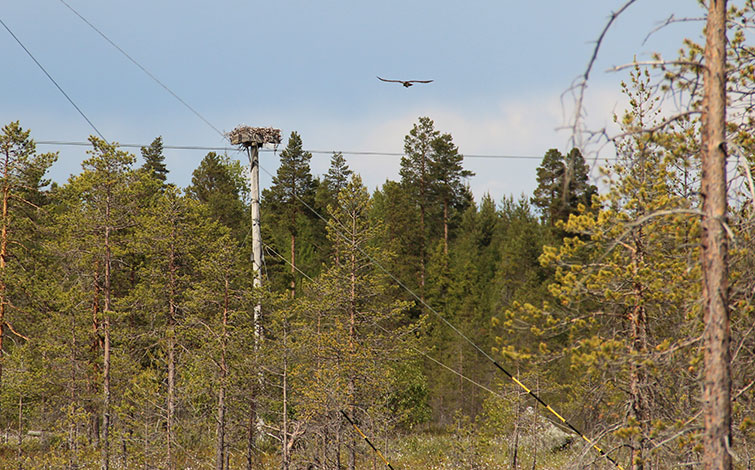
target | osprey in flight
x=406, y=83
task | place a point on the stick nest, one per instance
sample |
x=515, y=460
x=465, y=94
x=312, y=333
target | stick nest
x=248, y=136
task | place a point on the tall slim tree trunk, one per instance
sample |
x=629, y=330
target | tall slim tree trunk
x=106, y=351
x=352, y=336
x=284, y=430
x=639, y=406
x=169, y=432
x=423, y=237
x=293, y=265
x=171, y=355
x=717, y=380
x=97, y=346
x=72, y=426
x=445, y=227
x=220, y=443
x=3, y=258
x=20, y=431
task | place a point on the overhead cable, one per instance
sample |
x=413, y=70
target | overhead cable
x=401, y=284
x=28, y=52
x=143, y=69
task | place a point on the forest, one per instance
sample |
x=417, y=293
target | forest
x=413, y=326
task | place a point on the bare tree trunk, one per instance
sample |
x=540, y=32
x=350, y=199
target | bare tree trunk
x=445, y=227
x=293, y=265
x=72, y=426
x=220, y=444
x=169, y=432
x=717, y=381
x=284, y=429
x=97, y=346
x=106, y=350
x=352, y=335
x=20, y=431
x=171, y=355
x=251, y=423
x=3, y=258
x=423, y=238
x=639, y=407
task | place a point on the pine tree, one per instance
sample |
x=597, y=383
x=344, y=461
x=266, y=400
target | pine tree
x=620, y=317
x=21, y=178
x=106, y=197
x=218, y=183
x=334, y=181
x=291, y=198
x=447, y=175
x=350, y=326
x=416, y=177
x=167, y=238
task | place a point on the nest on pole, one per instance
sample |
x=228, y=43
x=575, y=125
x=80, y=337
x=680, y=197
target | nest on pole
x=248, y=136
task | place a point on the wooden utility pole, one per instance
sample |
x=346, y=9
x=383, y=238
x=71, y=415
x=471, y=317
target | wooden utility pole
x=254, y=180
x=252, y=138
x=717, y=380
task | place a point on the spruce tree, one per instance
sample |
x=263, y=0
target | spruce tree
x=291, y=198
x=154, y=160
x=563, y=183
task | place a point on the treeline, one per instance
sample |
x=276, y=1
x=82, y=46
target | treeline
x=128, y=339
x=127, y=303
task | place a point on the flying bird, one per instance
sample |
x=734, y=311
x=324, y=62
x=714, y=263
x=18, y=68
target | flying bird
x=406, y=83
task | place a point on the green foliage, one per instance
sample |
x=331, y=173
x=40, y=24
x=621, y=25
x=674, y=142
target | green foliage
x=154, y=160
x=289, y=224
x=218, y=183
x=563, y=184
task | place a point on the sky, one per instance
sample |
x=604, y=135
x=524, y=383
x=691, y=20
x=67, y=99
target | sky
x=500, y=69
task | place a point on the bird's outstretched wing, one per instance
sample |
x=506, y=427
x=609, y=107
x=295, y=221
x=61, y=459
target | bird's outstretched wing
x=386, y=80
x=406, y=83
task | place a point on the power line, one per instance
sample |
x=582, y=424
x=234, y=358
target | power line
x=419, y=299
x=53, y=81
x=143, y=69
x=388, y=273
x=314, y=152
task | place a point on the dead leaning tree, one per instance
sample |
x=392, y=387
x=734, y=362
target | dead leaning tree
x=252, y=138
x=717, y=379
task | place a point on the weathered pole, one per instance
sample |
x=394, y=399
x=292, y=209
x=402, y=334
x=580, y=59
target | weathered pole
x=251, y=138
x=717, y=376
x=254, y=181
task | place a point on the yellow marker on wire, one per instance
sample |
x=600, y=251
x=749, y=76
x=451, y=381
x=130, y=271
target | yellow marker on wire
x=495, y=363
x=366, y=439
x=561, y=418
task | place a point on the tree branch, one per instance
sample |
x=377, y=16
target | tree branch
x=10, y=327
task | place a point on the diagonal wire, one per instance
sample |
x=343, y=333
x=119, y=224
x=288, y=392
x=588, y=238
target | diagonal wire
x=53, y=81
x=427, y=356
x=388, y=273
x=143, y=69
x=513, y=378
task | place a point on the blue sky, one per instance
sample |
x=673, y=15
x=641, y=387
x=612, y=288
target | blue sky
x=499, y=70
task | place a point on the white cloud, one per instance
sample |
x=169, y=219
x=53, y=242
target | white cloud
x=524, y=126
